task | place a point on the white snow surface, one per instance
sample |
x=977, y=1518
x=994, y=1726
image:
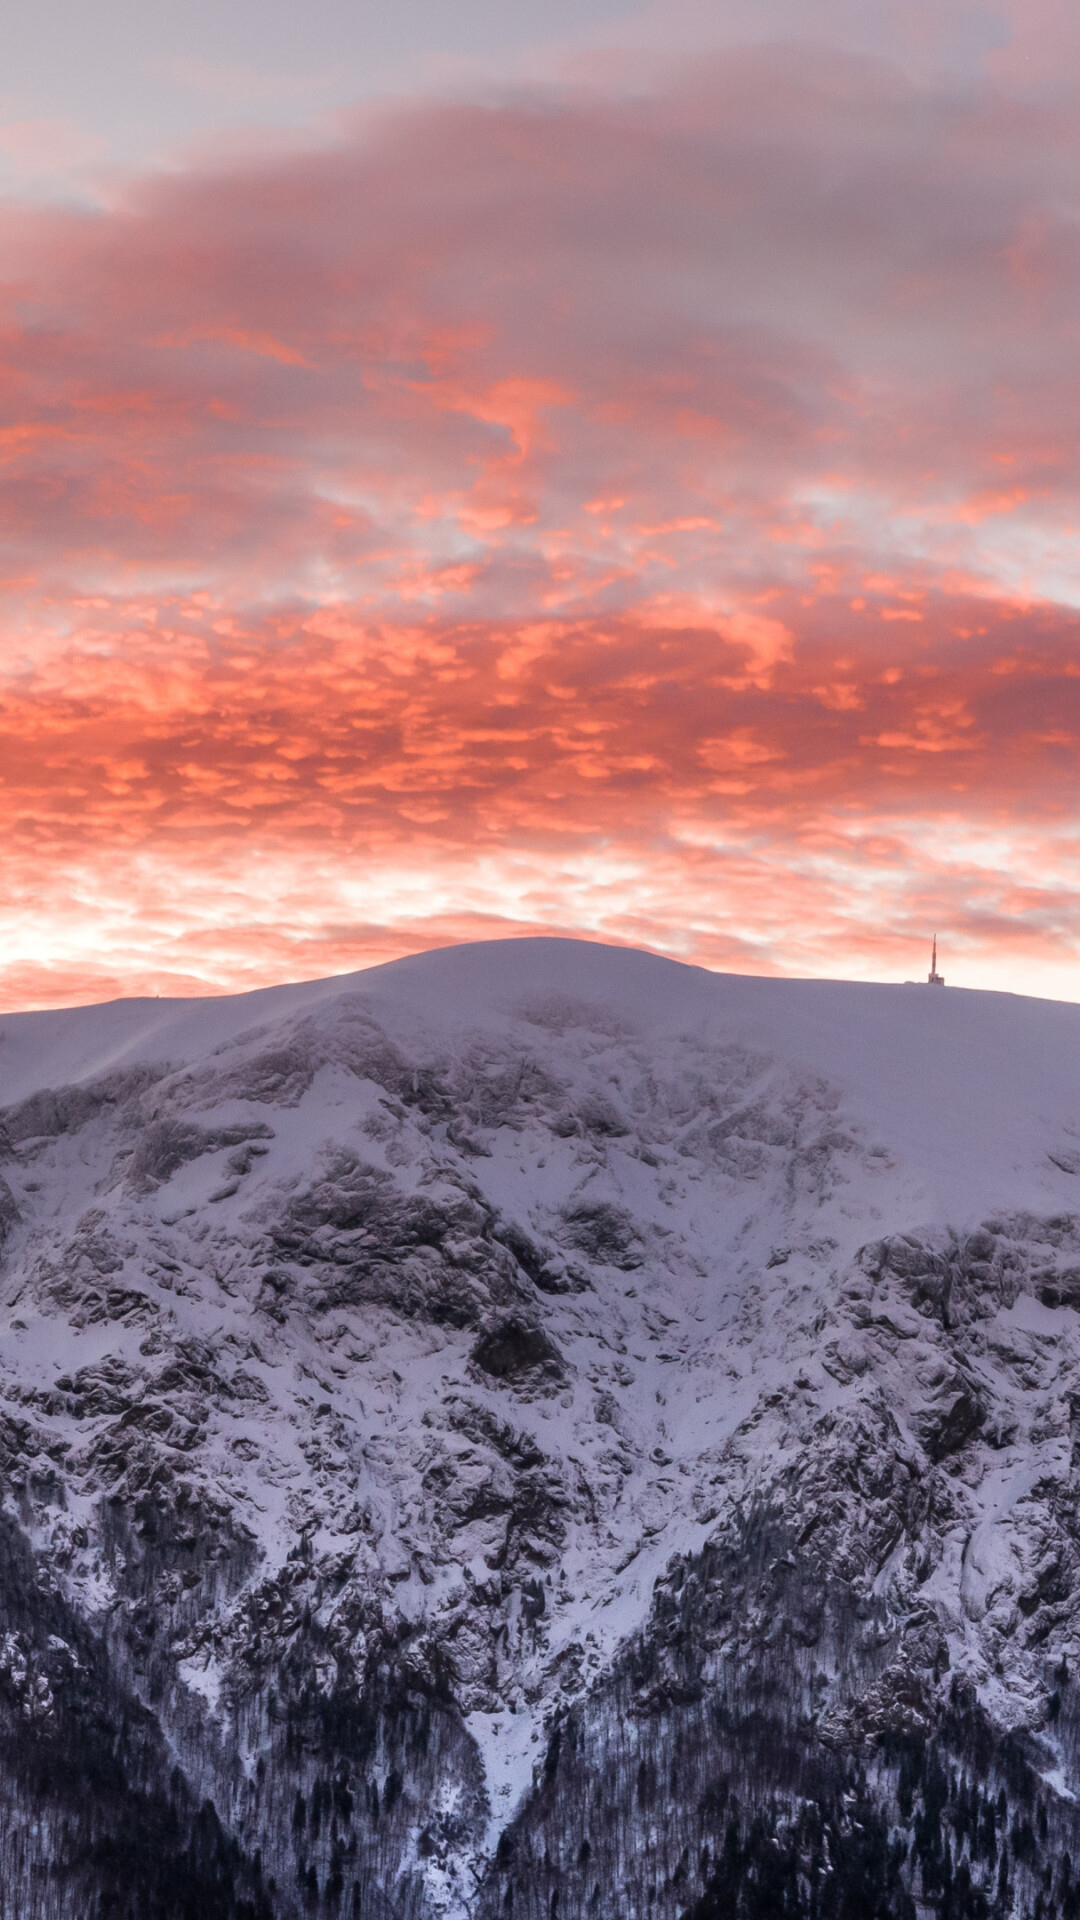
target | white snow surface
x=738, y=1140
x=967, y=1089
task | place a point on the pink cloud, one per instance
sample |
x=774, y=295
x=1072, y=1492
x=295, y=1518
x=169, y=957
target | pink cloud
x=37, y=149
x=653, y=515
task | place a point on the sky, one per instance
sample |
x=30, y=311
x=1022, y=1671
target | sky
x=473, y=470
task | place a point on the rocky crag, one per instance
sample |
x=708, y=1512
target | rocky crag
x=540, y=1431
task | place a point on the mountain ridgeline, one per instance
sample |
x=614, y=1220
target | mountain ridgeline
x=536, y=1432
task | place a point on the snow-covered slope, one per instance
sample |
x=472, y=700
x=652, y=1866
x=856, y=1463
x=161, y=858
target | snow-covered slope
x=439, y=1397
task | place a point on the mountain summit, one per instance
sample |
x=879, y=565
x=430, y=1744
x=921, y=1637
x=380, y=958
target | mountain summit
x=539, y=1430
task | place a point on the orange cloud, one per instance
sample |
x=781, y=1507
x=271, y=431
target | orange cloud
x=567, y=511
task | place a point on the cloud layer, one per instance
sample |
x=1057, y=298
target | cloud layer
x=653, y=516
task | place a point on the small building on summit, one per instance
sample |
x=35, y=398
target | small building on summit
x=934, y=978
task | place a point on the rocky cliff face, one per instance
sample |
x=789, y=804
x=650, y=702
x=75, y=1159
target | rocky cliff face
x=540, y=1431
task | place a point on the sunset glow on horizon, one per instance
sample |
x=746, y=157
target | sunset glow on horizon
x=646, y=510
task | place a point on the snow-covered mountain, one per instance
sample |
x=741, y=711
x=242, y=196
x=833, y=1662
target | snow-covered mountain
x=537, y=1429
